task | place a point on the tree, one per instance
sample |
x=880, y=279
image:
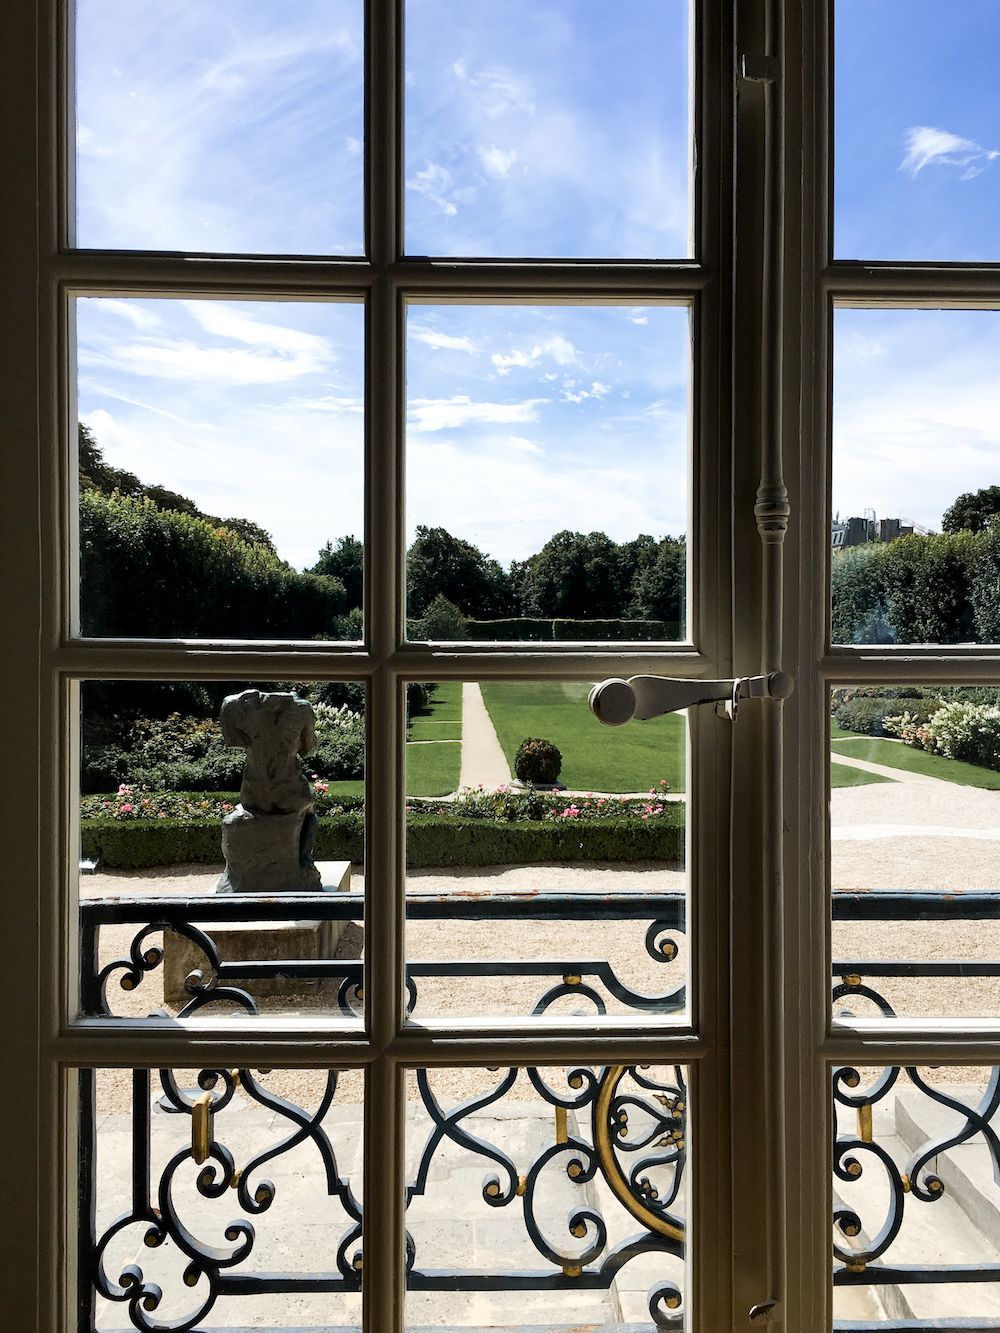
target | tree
x=659, y=584
x=98, y=476
x=438, y=563
x=576, y=576
x=442, y=622
x=345, y=561
x=972, y=511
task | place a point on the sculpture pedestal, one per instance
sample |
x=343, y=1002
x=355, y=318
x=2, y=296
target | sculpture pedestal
x=257, y=942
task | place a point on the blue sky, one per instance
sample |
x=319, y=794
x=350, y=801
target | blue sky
x=558, y=129
x=916, y=417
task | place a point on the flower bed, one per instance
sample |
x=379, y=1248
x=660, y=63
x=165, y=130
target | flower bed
x=132, y=829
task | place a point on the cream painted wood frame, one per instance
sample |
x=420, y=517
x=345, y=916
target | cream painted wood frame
x=760, y=1165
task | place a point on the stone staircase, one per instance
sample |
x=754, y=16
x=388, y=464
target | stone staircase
x=962, y=1227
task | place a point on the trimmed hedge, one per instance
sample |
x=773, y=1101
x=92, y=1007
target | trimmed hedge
x=534, y=629
x=515, y=628
x=642, y=630
x=476, y=842
x=149, y=572
x=431, y=841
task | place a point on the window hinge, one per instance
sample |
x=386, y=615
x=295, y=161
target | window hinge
x=615, y=702
x=758, y=69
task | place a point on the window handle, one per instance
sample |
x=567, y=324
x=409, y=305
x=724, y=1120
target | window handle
x=759, y=1314
x=615, y=702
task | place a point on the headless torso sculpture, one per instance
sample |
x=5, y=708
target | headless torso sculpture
x=268, y=839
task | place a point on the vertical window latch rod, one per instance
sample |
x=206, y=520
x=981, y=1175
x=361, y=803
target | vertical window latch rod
x=615, y=702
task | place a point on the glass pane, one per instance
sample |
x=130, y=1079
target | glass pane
x=546, y=855
x=221, y=459
x=560, y=129
x=917, y=130
x=547, y=472
x=548, y=1199
x=916, y=467
x=916, y=1198
x=229, y=126
x=915, y=815
x=221, y=847
x=217, y=1198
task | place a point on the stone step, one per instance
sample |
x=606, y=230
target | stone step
x=967, y=1170
x=932, y=1234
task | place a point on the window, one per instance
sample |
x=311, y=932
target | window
x=506, y=240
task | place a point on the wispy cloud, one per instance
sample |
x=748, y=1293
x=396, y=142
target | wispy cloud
x=498, y=89
x=195, y=363
x=523, y=445
x=432, y=414
x=572, y=394
x=444, y=342
x=927, y=146
x=496, y=161
x=226, y=322
x=560, y=349
x=336, y=404
x=434, y=182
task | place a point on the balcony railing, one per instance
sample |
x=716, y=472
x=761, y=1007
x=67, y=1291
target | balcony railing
x=618, y=1139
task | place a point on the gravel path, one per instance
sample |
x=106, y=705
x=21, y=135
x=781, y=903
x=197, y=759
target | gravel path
x=483, y=759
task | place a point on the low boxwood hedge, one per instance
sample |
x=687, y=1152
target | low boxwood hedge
x=643, y=631
x=532, y=628
x=431, y=841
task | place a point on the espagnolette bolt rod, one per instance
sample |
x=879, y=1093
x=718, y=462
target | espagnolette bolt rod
x=615, y=702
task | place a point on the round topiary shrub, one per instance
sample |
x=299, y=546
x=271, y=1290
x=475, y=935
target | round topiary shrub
x=537, y=760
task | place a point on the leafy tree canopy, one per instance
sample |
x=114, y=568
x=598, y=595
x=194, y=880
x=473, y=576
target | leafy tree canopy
x=438, y=563
x=972, y=511
x=98, y=476
x=344, y=561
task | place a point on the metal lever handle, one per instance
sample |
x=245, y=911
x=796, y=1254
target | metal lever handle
x=759, y=1314
x=615, y=702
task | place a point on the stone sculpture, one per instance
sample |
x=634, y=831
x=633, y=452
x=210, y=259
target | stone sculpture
x=268, y=839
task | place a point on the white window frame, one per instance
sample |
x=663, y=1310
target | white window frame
x=761, y=1203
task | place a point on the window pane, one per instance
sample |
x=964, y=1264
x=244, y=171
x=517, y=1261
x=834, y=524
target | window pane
x=221, y=838
x=917, y=130
x=551, y=1199
x=221, y=468
x=224, y=126
x=547, y=472
x=545, y=878
x=234, y=1195
x=915, y=818
x=915, y=1198
x=916, y=467
x=560, y=129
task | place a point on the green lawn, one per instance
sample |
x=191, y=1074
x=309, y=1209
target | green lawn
x=432, y=770
x=896, y=755
x=842, y=775
x=595, y=758
x=349, y=787
x=443, y=719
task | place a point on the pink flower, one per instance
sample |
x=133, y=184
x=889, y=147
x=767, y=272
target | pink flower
x=124, y=789
x=570, y=812
x=126, y=808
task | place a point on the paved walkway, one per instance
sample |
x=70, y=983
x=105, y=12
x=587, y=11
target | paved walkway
x=885, y=771
x=483, y=760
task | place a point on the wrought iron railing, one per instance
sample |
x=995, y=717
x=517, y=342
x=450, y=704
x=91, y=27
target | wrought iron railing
x=622, y=1128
